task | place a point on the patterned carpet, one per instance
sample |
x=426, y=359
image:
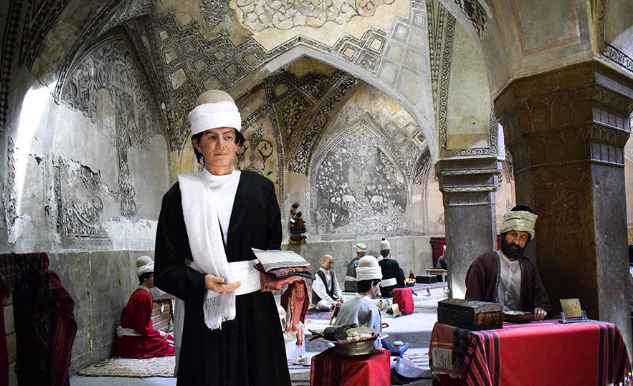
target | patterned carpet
x=135, y=368
x=319, y=315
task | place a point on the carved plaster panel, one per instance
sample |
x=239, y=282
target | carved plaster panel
x=281, y=118
x=7, y=59
x=284, y=15
x=475, y=13
x=606, y=49
x=356, y=186
x=441, y=32
x=9, y=193
x=214, y=11
x=262, y=151
x=38, y=20
x=192, y=64
x=441, y=26
x=308, y=137
x=78, y=194
x=110, y=70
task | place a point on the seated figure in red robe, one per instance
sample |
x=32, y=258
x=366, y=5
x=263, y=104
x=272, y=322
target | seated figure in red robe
x=136, y=336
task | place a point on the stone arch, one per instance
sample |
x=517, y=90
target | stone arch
x=425, y=122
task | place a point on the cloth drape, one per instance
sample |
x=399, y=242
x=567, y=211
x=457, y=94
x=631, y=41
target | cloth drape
x=45, y=325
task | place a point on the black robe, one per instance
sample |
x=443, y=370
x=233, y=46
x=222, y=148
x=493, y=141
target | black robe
x=391, y=269
x=249, y=350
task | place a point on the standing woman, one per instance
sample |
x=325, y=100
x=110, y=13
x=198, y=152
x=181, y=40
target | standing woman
x=208, y=223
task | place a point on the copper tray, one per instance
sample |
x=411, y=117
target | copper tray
x=352, y=349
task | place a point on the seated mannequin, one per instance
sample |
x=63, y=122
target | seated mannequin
x=325, y=288
x=361, y=309
x=136, y=336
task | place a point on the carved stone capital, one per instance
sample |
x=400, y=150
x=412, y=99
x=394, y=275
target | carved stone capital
x=468, y=181
x=577, y=113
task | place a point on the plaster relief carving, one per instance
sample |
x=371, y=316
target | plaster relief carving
x=357, y=187
x=79, y=205
x=214, y=11
x=9, y=48
x=262, y=150
x=9, y=193
x=39, y=18
x=308, y=137
x=476, y=14
x=108, y=86
x=259, y=15
x=231, y=60
x=259, y=152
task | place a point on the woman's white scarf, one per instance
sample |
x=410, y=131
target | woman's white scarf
x=205, y=241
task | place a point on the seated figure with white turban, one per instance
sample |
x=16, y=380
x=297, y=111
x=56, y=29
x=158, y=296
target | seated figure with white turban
x=506, y=276
x=361, y=309
x=350, y=275
x=136, y=336
x=392, y=275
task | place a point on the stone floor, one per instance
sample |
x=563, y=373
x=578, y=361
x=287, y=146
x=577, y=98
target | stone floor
x=414, y=329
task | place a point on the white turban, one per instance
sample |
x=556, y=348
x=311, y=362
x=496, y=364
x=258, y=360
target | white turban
x=360, y=247
x=384, y=245
x=368, y=269
x=214, y=109
x=519, y=220
x=144, y=264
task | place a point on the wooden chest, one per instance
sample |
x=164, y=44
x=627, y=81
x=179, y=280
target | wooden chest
x=470, y=314
x=426, y=279
x=162, y=313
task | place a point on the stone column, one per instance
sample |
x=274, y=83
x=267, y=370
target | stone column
x=566, y=130
x=468, y=187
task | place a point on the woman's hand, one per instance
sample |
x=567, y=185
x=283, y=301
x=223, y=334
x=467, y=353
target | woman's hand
x=216, y=284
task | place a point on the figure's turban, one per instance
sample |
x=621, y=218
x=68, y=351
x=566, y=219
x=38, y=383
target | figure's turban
x=519, y=221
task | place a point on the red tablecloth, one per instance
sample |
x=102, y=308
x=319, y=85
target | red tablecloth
x=539, y=353
x=331, y=369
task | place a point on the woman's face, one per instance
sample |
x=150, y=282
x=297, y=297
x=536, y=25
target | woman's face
x=218, y=148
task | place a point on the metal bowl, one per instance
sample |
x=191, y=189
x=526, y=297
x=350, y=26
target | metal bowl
x=352, y=349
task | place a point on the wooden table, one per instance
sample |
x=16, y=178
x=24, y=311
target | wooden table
x=439, y=271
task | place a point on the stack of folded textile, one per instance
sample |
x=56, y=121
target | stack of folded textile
x=280, y=268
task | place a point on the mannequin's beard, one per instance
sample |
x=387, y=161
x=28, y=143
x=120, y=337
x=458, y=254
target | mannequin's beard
x=512, y=251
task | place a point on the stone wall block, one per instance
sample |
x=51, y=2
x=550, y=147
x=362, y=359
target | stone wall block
x=100, y=284
x=540, y=114
x=560, y=110
x=523, y=109
x=580, y=105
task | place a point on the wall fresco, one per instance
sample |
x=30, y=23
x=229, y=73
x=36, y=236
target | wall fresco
x=367, y=164
x=358, y=188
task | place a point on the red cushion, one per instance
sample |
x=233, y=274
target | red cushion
x=404, y=298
